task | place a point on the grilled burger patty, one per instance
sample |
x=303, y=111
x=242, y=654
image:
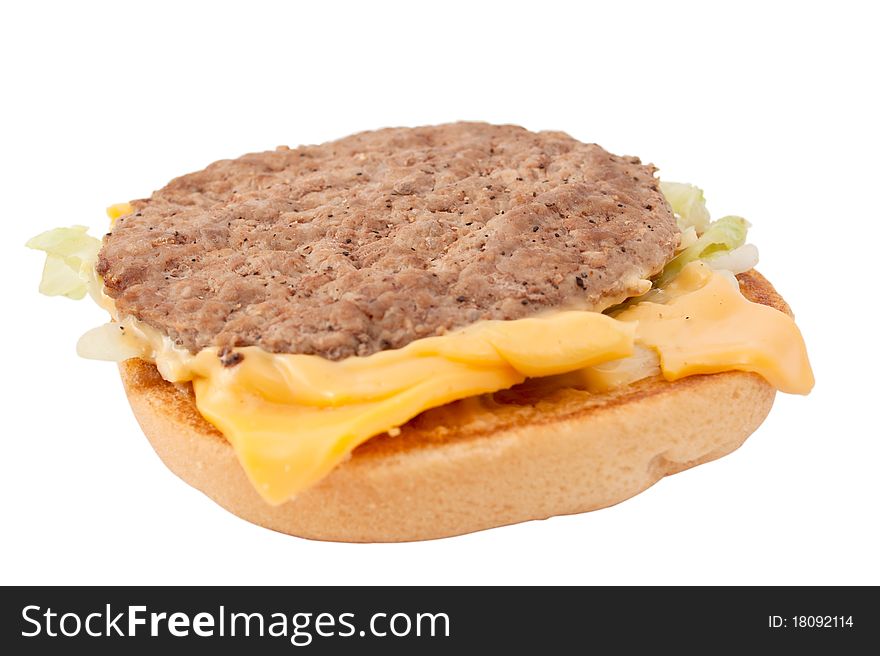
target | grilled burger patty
x=370, y=242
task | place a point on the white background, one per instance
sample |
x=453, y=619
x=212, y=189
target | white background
x=771, y=108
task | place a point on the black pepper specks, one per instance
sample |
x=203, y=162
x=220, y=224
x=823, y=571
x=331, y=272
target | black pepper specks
x=327, y=269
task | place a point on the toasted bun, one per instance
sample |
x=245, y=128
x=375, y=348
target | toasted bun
x=528, y=453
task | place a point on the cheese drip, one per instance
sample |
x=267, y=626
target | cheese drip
x=292, y=418
x=707, y=326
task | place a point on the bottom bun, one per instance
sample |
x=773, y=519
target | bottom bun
x=537, y=450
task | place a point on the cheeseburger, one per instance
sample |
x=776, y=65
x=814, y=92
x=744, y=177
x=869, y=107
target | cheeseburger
x=421, y=332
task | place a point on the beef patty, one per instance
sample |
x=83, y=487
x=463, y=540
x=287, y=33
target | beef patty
x=367, y=243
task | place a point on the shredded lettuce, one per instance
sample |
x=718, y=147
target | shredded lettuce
x=109, y=342
x=70, y=261
x=689, y=205
x=736, y=261
x=723, y=235
x=721, y=243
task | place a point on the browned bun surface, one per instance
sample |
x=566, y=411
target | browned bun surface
x=534, y=451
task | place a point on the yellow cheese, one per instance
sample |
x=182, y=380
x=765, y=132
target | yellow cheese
x=292, y=418
x=707, y=326
x=117, y=210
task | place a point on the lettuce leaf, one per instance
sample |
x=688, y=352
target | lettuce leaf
x=689, y=205
x=70, y=260
x=109, y=342
x=721, y=236
x=736, y=261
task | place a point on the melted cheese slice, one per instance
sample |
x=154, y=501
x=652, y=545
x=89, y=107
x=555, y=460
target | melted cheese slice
x=292, y=418
x=707, y=326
